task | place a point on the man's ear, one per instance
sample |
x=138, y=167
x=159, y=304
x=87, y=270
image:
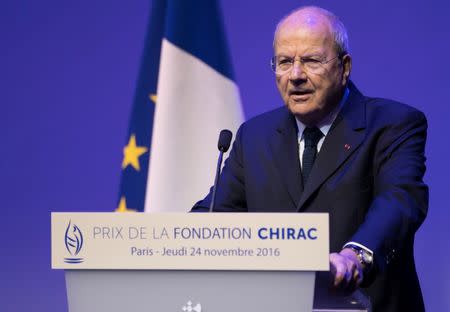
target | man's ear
x=346, y=68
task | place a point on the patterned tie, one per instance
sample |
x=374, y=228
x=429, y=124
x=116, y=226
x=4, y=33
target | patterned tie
x=311, y=136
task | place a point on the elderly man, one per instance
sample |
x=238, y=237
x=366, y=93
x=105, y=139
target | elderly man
x=331, y=149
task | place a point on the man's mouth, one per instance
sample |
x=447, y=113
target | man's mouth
x=300, y=94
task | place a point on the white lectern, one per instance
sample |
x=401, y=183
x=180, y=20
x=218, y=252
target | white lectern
x=193, y=262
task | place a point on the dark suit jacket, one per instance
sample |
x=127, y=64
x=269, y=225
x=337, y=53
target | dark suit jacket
x=367, y=176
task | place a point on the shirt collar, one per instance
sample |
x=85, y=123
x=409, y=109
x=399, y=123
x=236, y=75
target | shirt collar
x=325, y=124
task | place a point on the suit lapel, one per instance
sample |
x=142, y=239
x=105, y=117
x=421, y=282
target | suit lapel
x=343, y=139
x=284, y=147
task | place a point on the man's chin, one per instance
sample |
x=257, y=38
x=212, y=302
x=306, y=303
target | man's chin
x=303, y=113
x=300, y=108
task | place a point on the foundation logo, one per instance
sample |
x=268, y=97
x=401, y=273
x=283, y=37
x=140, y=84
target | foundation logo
x=74, y=242
x=188, y=307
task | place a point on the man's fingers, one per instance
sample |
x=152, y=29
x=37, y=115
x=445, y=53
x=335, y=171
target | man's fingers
x=338, y=268
x=358, y=276
x=356, y=272
x=347, y=274
x=350, y=270
x=341, y=274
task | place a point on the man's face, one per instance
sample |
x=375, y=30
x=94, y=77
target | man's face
x=310, y=95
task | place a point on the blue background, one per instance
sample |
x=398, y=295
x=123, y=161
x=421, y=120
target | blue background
x=68, y=71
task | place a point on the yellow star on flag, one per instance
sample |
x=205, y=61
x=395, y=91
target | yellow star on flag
x=131, y=154
x=152, y=97
x=123, y=206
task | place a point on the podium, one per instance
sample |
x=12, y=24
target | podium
x=195, y=262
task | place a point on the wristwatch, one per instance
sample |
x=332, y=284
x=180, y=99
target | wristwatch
x=365, y=257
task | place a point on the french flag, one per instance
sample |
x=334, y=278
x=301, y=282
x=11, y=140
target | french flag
x=196, y=97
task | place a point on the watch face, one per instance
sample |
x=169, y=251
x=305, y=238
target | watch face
x=366, y=257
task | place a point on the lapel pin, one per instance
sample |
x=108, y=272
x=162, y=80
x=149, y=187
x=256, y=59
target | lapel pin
x=347, y=147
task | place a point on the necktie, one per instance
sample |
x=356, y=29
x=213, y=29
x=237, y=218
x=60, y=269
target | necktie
x=311, y=136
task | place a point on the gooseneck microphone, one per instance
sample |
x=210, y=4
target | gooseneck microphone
x=223, y=145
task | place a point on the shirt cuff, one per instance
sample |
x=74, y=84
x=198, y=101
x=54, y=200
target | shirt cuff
x=358, y=245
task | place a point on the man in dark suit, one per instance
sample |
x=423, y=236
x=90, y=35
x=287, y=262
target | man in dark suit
x=331, y=149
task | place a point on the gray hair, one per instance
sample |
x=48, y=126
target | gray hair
x=337, y=27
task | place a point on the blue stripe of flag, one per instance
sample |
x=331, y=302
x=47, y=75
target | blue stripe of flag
x=197, y=27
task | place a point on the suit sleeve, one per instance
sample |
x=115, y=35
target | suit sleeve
x=400, y=197
x=230, y=193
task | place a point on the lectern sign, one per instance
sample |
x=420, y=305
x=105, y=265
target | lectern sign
x=195, y=241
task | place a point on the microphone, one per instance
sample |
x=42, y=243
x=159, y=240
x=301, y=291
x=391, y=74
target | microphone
x=224, y=140
x=223, y=145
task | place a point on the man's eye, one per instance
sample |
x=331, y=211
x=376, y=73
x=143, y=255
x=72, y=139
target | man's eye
x=284, y=61
x=311, y=61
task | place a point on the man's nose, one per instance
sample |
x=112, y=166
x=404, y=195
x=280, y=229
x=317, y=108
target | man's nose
x=297, y=71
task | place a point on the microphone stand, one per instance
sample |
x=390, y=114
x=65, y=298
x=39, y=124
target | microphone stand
x=216, y=181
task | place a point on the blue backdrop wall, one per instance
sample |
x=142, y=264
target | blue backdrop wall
x=68, y=71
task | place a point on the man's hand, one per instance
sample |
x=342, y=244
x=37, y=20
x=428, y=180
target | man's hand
x=346, y=270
